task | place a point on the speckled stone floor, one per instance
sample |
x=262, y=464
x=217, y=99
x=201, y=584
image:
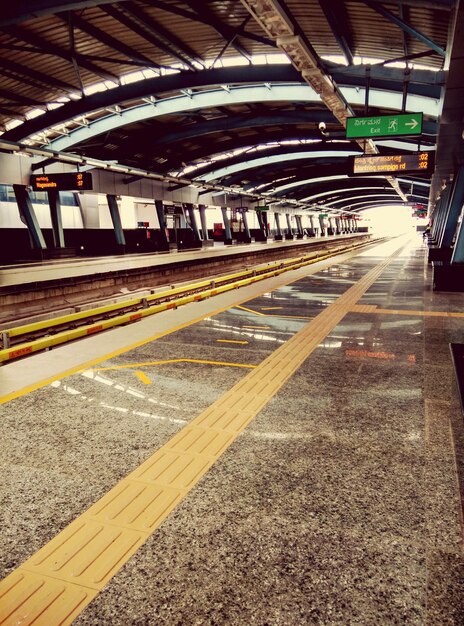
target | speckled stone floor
x=339, y=503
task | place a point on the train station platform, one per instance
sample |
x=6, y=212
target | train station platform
x=288, y=453
x=28, y=289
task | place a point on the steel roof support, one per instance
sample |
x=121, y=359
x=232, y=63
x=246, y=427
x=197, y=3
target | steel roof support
x=151, y=32
x=384, y=78
x=55, y=213
x=203, y=10
x=279, y=25
x=15, y=12
x=228, y=31
x=28, y=216
x=44, y=46
x=337, y=18
x=455, y=204
x=405, y=26
x=236, y=95
x=266, y=161
x=116, y=219
x=28, y=75
x=108, y=40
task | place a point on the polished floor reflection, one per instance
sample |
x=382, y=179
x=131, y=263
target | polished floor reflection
x=338, y=504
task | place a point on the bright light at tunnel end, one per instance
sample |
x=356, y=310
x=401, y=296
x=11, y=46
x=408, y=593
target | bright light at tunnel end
x=391, y=220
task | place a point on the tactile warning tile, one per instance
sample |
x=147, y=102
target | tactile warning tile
x=26, y=599
x=55, y=584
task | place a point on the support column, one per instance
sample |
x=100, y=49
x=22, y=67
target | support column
x=454, y=210
x=193, y=221
x=245, y=225
x=204, y=229
x=330, y=229
x=55, y=214
x=458, y=252
x=312, y=230
x=278, y=235
x=299, y=226
x=262, y=224
x=162, y=222
x=116, y=219
x=338, y=226
x=225, y=219
x=28, y=215
x=443, y=214
x=289, y=234
x=321, y=224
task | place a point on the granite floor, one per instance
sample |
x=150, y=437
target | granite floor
x=339, y=503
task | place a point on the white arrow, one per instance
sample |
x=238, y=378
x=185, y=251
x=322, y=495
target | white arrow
x=412, y=124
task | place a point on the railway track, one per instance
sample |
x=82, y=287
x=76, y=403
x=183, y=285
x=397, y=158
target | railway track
x=26, y=339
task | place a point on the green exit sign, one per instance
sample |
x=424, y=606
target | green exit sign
x=261, y=208
x=384, y=126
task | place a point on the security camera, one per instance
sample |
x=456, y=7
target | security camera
x=322, y=126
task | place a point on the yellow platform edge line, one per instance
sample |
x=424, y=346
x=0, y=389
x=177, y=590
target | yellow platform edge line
x=92, y=549
x=172, y=361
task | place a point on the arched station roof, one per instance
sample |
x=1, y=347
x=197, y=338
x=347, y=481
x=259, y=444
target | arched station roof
x=211, y=91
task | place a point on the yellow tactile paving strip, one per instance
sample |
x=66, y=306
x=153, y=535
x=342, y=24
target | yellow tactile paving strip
x=53, y=586
x=372, y=308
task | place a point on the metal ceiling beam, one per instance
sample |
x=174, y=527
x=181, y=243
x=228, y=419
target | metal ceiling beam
x=236, y=95
x=229, y=31
x=171, y=38
x=155, y=87
x=16, y=69
x=15, y=12
x=405, y=26
x=107, y=39
x=236, y=142
x=43, y=45
x=279, y=24
x=237, y=122
x=340, y=166
x=219, y=76
x=203, y=10
x=278, y=160
x=445, y=5
x=140, y=24
x=368, y=194
x=337, y=18
x=18, y=99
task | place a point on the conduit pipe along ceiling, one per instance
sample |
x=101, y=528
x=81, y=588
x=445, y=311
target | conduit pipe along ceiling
x=191, y=108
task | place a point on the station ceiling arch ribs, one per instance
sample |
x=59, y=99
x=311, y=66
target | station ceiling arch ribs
x=277, y=159
x=108, y=40
x=220, y=97
x=42, y=45
x=156, y=86
x=337, y=19
x=25, y=74
x=140, y=23
x=407, y=28
x=425, y=83
x=202, y=18
x=277, y=21
x=16, y=12
x=229, y=35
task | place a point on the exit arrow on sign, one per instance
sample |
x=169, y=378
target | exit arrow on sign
x=412, y=124
x=384, y=126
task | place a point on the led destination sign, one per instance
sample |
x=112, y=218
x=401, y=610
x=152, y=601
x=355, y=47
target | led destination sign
x=391, y=163
x=74, y=181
